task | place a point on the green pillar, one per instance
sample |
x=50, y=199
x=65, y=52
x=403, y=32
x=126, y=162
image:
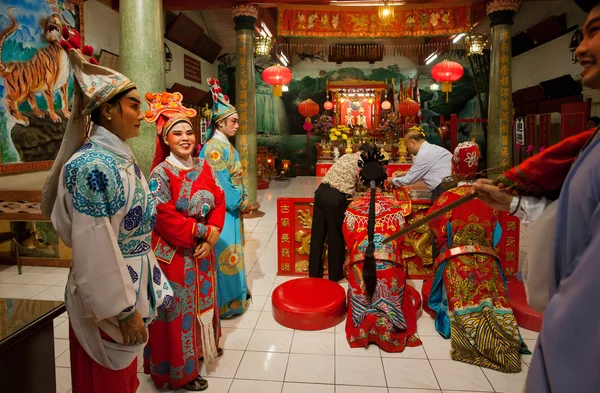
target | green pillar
x=244, y=17
x=142, y=60
x=500, y=107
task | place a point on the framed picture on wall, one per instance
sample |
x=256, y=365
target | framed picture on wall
x=108, y=59
x=31, y=125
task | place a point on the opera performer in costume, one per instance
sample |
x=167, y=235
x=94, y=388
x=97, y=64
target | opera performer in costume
x=469, y=292
x=380, y=310
x=101, y=207
x=190, y=207
x=566, y=355
x=220, y=154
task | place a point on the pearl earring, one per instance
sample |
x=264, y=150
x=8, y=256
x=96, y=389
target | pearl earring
x=108, y=118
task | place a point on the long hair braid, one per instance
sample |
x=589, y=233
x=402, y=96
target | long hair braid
x=372, y=175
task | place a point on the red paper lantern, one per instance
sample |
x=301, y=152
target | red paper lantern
x=328, y=105
x=409, y=108
x=277, y=76
x=447, y=72
x=385, y=105
x=308, y=108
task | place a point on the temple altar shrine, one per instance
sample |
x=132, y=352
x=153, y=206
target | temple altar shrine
x=294, y=217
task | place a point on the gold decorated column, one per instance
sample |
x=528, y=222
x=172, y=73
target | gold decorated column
x=244, y=17
x=500, y=110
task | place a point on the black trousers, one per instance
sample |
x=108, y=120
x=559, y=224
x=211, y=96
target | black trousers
x=435, y=194
x=328, y=219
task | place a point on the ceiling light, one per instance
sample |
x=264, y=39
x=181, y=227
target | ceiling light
x=385, y=11
x=432, y=58
x=266, y=29
x=263, y=45
x=475, y=44
x=458, y=38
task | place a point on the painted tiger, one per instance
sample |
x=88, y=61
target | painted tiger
x=47, y=71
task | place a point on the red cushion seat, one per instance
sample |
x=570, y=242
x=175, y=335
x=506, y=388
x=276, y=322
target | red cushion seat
x=309, y=304
x=425, y=292
x=415, y=298
x=526, y=316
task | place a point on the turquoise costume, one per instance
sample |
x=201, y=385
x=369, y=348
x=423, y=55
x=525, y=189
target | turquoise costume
x=219, y=153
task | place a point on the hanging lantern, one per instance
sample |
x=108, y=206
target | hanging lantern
x=263, y=45
x=385, y=11
x=308, y=108
x=328, y=105
x=475, y=44
x=277, y=76
x=385, y=105
x=447, y=72
x=408, y=108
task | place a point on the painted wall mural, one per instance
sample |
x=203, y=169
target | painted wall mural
x=280, y=125
x=35, y=81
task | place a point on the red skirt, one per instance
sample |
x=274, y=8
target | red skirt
x=87, y=376
x=378, y=321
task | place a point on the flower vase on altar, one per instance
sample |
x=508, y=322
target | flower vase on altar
x=336, y=154
x=402, y=151
x=349, y=146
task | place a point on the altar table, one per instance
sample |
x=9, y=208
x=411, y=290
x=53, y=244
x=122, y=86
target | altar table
x=294, y=217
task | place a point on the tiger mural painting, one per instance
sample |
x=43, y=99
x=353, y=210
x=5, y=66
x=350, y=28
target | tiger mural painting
x=47, y=71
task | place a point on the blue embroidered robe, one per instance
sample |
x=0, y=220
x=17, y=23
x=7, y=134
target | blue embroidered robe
x=231, y=278
x=105, y=212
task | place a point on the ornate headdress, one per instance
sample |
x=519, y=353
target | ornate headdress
x=94, y=85
x=466, y=160
x=165, y=110
x=221, y=108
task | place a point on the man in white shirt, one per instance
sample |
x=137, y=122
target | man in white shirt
x=431, y=163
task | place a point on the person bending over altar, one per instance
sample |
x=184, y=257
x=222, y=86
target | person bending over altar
x=379, y=308
x=190, y=208
x=330, y=203
x=469, y=292
x=101, y=207
x=224, y=160
x=431, y=163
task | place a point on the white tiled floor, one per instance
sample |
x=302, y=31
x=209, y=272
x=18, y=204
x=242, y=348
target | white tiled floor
x=262, y=356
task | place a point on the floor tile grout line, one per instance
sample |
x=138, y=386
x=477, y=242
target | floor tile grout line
x=433, y=370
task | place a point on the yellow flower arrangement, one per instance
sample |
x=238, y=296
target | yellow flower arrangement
x=339, y=133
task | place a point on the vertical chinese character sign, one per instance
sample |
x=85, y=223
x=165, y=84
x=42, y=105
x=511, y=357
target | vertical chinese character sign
x=500, y=110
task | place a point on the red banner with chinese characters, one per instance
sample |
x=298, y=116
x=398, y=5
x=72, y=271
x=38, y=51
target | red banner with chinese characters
x=508, y=248
x=544, y=131
x=425, y=20
x=530, y=133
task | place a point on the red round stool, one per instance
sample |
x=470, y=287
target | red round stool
x=415, y=298
x=526, y=316
x=309, y=304
x=425, y=292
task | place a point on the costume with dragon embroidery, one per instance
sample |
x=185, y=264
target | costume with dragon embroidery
x=469, y=293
